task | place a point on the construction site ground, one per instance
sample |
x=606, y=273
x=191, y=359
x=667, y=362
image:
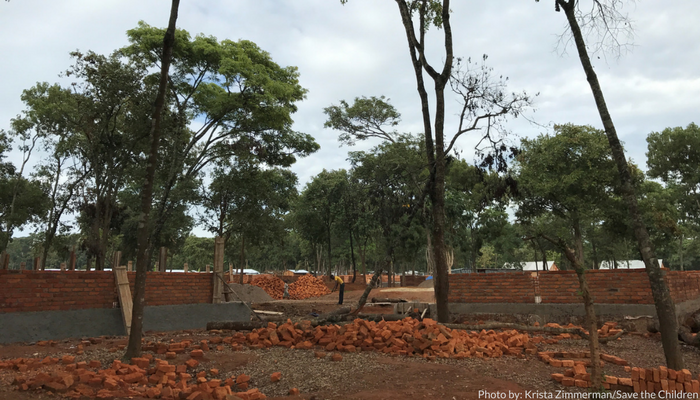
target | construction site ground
x=362, y=375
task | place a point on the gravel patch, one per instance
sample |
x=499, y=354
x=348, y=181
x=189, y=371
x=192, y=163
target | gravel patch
x=300, y=369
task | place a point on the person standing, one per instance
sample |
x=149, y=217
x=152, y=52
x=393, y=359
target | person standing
x=340, y=285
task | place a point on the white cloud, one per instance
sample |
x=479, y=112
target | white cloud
x=359, y=49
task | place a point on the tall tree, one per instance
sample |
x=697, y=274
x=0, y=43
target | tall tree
x=483, y=103
x=22, y=199
x=605, y=17
x=320, y=201
x=570, y=176
x=249, y=201
x=134, y=347
x=394, y=176
x=109, y=133
x=244, y=99
x=51, y=111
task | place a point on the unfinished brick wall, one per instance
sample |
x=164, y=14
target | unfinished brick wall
x=22, y=291
x=684, y=285
x=506, y=287
x=609, y=287
x=48, y=291
x=165, y=288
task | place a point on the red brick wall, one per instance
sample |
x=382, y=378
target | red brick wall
x=506, y=287
x=611, y=287
x=164, y=288
x=683, y=285
x=70, y=290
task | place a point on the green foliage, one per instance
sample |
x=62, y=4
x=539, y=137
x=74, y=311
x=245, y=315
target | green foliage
x=394, y=175
x=673, y=156
x=247, y=199
x=567, y=182
x=366, y=118
x=197, y=252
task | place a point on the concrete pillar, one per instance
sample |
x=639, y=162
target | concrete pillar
x=130, y=266
x=185, y=267
x=63, y=266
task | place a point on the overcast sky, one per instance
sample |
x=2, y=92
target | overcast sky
x=360, y=50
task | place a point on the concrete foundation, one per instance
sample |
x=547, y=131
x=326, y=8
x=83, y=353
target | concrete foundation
x=551, y=310
x=557, y=310
x=55, y=325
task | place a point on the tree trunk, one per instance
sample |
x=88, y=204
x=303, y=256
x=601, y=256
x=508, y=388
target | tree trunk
x=578, y=240
x=352, y=255
x=241, y=258
x=134, y=347
x=363, y=252
x=330, y=259
x=681, y=251
x=596, y=262
x=665, y=308
x=591, y=319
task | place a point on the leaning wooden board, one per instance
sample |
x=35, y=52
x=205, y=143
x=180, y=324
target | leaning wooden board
x=124, y=296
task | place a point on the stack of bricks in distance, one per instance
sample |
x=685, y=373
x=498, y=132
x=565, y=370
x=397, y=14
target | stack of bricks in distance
x=307, y=286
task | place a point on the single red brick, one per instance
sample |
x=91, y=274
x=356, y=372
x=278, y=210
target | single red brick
x=196, y=354
x=275, y=377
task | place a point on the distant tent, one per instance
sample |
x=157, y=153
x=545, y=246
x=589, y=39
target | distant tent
x=625, y=264
x=535, y=266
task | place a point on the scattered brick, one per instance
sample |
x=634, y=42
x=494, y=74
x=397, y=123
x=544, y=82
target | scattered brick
x=275, y=377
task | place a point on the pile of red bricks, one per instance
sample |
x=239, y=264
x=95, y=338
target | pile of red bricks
x=156, y=378
x=307, y=286
x=144, y=377
x=272, y=285
x=406, y=337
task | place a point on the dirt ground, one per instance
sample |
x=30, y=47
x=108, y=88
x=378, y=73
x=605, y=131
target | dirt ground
x=363, y=375
x=329, y=302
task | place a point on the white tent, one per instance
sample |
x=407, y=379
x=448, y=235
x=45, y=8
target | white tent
x=625, y=264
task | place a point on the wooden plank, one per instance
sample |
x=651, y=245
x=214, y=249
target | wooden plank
x=125, y=299
x=116, y=259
